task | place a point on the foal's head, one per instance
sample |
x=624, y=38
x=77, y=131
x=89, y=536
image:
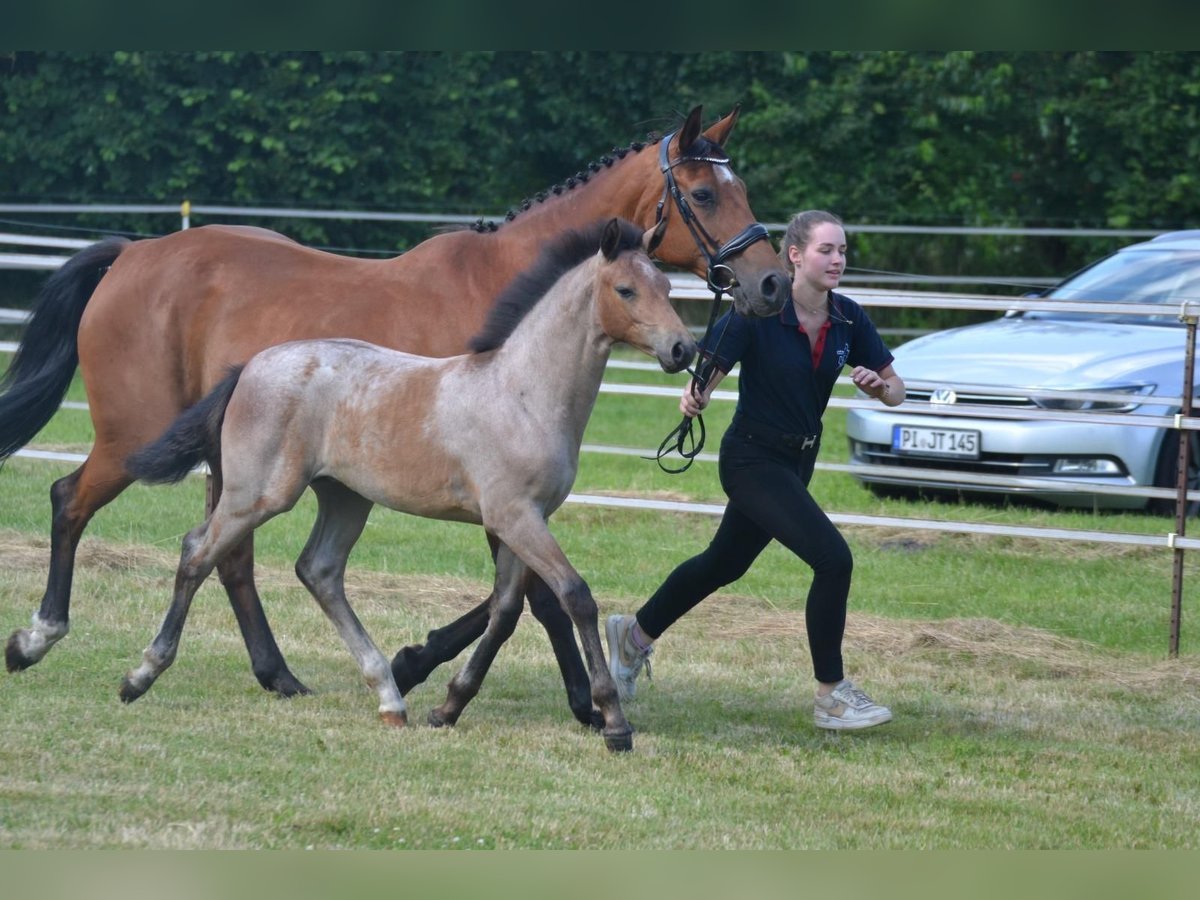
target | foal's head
x=632, y=297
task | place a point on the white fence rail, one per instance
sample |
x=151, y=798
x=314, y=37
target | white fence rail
x=690, y=288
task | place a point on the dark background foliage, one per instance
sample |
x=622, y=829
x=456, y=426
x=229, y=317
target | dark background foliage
x=1056, y=138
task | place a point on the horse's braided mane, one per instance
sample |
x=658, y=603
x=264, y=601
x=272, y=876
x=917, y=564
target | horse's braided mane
x=703, y=147
x=564, y=253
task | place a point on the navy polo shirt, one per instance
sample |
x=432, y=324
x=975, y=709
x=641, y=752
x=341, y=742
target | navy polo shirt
x=787, y=375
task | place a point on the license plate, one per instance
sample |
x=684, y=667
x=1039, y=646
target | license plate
x=916, y=440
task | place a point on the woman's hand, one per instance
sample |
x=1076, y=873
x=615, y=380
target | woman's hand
x=692, y=403
x=885, y=386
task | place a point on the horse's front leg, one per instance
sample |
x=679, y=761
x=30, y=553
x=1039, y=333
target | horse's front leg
x=530, y=539
x=413, y=664
x=507, y=602
x=547, y=610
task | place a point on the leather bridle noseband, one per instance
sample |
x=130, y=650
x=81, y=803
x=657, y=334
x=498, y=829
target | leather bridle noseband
x=720, y=279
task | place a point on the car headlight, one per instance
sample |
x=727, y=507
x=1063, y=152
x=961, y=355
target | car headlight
x=1121, y=405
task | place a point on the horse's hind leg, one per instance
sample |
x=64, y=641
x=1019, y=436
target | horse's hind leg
x=413, y=664
x=73, y=501
x=341, y=515
x=507, y=602
x=236, y=571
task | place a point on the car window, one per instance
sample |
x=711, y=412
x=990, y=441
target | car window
x=1150, y=276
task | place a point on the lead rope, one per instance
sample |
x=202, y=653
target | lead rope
x=682, y=439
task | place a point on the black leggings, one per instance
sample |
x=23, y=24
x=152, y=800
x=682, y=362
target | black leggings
x=768, y=498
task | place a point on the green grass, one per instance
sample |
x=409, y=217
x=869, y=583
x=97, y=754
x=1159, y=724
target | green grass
x=1034, y=703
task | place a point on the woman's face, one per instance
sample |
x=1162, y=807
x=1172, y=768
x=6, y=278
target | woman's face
x=822, y=261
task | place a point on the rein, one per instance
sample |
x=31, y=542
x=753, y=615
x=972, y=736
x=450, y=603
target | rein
x=720, y=280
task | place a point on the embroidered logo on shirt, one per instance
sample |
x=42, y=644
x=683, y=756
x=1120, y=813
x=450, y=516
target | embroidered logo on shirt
x=843, y=354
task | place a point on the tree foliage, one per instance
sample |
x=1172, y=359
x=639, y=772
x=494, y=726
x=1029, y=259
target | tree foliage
x=1068, y=139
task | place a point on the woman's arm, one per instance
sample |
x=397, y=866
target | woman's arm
x=885, y=385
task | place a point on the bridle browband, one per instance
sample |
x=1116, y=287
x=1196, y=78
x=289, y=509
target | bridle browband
x=720, y=280
x=720, y=277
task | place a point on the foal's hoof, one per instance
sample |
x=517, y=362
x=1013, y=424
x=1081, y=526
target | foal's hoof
x=620, y=741
x=130, y=692
x=15, y=657
x=394, y=719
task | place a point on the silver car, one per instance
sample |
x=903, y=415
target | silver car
x=1034, y=361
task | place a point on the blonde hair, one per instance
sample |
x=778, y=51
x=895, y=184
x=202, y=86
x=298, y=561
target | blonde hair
x=799, y=231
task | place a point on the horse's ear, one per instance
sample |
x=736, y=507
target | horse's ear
x=689, y=131
x=719, y=133
x=610, y=240
x=653, y=237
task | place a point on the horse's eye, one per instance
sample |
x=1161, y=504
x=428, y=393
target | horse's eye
x=702, y=195
x=625, y=293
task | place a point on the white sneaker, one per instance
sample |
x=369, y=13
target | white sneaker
x=846, y=708
x=625, y=660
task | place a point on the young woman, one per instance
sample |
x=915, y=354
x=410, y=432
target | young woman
x=789, y=365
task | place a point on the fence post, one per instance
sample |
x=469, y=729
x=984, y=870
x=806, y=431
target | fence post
x=1181, y=484
x=185, y=215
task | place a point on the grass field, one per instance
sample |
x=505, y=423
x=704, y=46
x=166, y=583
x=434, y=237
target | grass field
x=1035, y=706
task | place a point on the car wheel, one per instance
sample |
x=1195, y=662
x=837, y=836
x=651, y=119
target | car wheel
x=1167, y=468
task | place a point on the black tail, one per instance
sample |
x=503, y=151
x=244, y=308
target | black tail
x=191, y=439
x=34, y=385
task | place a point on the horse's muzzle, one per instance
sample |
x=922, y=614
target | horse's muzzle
x=679, y=357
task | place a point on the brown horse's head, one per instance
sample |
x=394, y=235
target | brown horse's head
x=634, y=297
x=711, y=225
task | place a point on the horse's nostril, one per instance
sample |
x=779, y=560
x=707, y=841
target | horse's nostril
x=682, y=353
x=776, y=288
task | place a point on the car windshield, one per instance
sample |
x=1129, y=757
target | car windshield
x=1152, y=276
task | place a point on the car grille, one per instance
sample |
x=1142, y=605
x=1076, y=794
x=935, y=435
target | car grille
x=913, y=395
x=1007, y=464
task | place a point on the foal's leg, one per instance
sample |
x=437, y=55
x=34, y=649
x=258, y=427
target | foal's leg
x=529, y=537
x=341, y=515
x=413, y=664
x=507, y=602
x=202, y=547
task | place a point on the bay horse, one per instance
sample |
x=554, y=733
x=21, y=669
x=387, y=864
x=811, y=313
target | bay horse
x=490, y=437
x=154, y=324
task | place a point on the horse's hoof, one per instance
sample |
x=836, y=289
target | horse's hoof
x=437, y=720
x=15, y=658
x=129, y=692
x=619, y=742
x=287, y=685
x=394, y=719
x=406, y=668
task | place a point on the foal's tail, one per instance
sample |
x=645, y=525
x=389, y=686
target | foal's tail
x=37, y=380
x=193, y=438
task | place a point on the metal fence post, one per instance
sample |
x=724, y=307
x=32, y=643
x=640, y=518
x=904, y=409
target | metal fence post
x=1181, y=483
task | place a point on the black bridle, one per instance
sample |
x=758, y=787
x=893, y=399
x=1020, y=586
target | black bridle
x=720, y=279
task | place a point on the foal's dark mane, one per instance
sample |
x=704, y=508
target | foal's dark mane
x=567, y=251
